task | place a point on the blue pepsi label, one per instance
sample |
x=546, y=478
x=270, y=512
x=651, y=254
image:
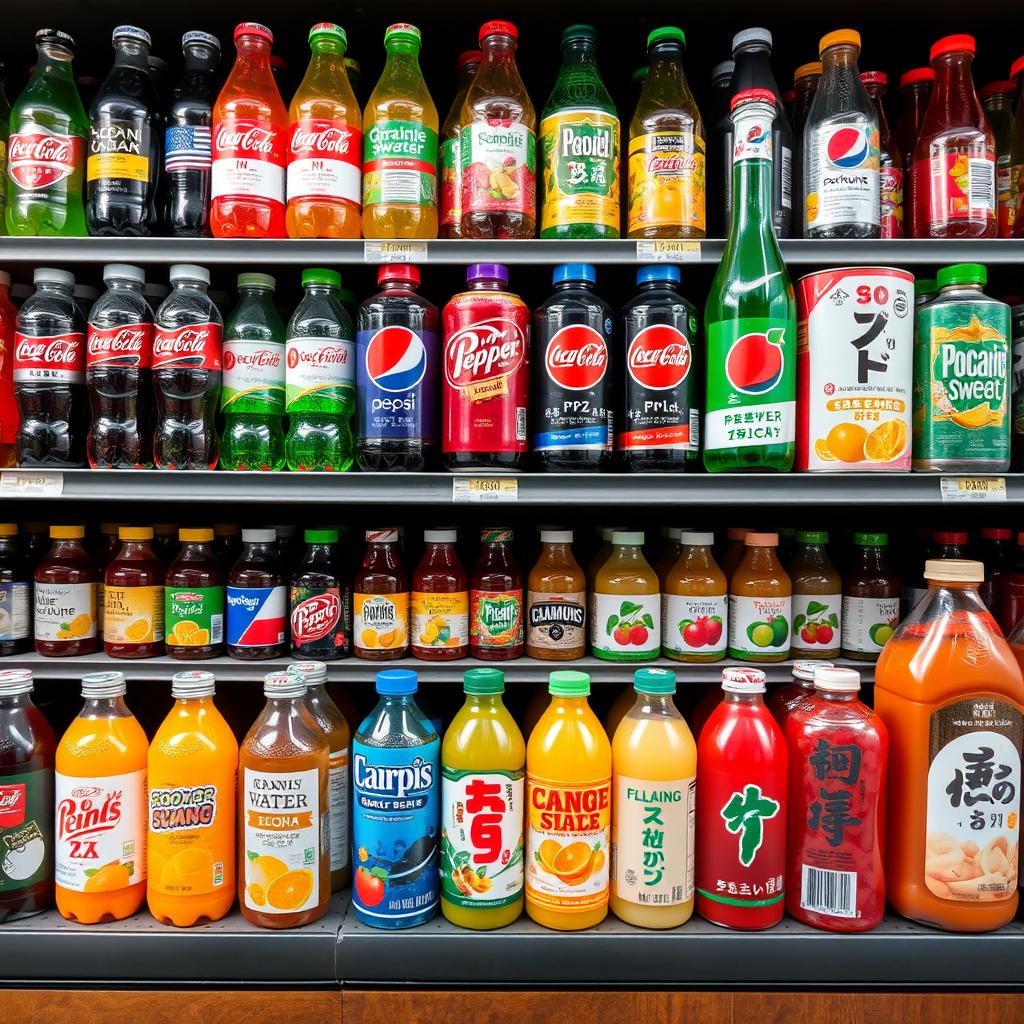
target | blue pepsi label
x=580, y=437
x=256, y=616
x=396, y=814
x=396, y=383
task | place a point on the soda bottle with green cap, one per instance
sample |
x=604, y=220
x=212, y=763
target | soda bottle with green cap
x=871, y=598
x=252, y=391
x=320, y=601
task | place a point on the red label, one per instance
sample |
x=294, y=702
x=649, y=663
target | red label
x=576, y=357
x=38, y=159
x=129, y=345
x=89, y=811
x=891, y=182
x=250, y=140
x=659, y=357
x=12, y=805
x=248, y=160
x=195, y=347
x=55, y=357
x=314, y=618
x=656, y=437
x=324, y=159
x=957, y=186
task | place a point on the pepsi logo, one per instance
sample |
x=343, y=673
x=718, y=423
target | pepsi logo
x=576, y=357
x=758, y=133
x=396, y=359
x=659, y=357
x=847, y=147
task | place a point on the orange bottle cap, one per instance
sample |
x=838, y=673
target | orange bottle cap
x=807, y=70
x=195, y=536
x=762, y=540
x=67, y=532
x=8, y=529
x=135, y=533
x=954, y=570
x=841, y=37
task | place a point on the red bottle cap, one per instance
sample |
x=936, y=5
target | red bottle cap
x=498, y=28
x=404, y=272
x=1006, y=88
x=949, y=537
x=953, y=44
x=1017, y=67
x=750, y=95
x=874, y=78
x=990, y=533
x=915, y=76
x=469, y=57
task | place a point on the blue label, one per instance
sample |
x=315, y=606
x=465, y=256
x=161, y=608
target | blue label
x=396, y=383
x=395, y=821
x=256, y=615
x=581, y=437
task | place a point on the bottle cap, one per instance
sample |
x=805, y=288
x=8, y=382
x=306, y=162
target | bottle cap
x=123, y=272
x=633, y=537
x=320, y=536
x=227, y=529
x=135, y=533
x=67, y=532
x=836, y=680
x=381, y=536
x=312, y=673
x=950, y=536
x=992, y=533
x=915, y=76
x=253, y=28
x=737, y=533
x=695, y=539
x=760, y=36
x=654, y=680
x=103, y=684
x=874, y=78
x=250, y=280
x=666, y=34
x=720, y=70
x=498, y=28
x=574, y=272
x=403, y=33
x=259, y=536
x=569, y=683
x=752, y=96
x=195, y=683
x=761, y=540
x=952, y=44
x=283, y=684
x=55, y=35
x=468, y=57
x=871, y=540
x=140, y=35
x=188, y=272
x=743, y=680
x=812, y=69
x=954, y=570
x=556, y=536
x=318, y=275
x=492, y=536
x=1002, y=88
x=14, y=681
x=328, y=31
x=487, y=272
x=961, y=273
x=396, y=682
x=446, y=536
x=483, y=681
x=8, y=529
x=658, y=274
x=199, y=38
x=841, y=37
x=1015, y=68
x=50, y=275
x=405, y=273
x=200, y=535
x=805, y=669
x=573, y=32
x=925, y=286
x=812, y=537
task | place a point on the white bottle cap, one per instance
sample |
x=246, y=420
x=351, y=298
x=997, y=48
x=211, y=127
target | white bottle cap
x=556, y=536
x=743, y=680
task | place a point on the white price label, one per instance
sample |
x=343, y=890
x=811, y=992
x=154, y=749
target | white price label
x=667, y=250
x=379, y=251
x=489, y=490
x=16, y=483
x=973, y=488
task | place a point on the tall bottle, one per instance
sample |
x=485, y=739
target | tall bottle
x=760, y=603
x=806, y=80
x=8, y=405
x=997, y=101
x=750, y=316
x=718, y=169
x=380, y=600
x=400, y=145
x=450, y=198
x=890, y=162
x=1017, y=149
x=915, y=91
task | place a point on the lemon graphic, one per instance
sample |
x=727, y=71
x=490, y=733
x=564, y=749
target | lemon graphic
x=763, y=635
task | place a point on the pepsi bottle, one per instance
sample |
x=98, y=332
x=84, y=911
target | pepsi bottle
x=397, y=355
x=660, y=397
x=572, y=428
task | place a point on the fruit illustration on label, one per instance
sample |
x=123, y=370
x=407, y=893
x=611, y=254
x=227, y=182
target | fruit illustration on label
x=631, y=626
x=773, y=633
x=817, y=625
x=705, y=631
x=572, y=864
x=369, y=885
x=880, y=632
x=755, y=362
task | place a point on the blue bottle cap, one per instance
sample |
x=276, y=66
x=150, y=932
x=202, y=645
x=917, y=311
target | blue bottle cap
x=660, y=273
x=574, y=272
x=396, y=682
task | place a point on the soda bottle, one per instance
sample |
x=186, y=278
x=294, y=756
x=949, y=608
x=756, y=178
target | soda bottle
x=954, y=180
x=124, y=143
x=496, y=607
x=133, y=598
x=194, y=599
x=119, y=352
x=719, y=154
x=188, y=158
x=486, y=373
x=440, y=600
x=252, y=398
x=450, y=216
x=257, y=600
x=499, y=146
x=579, y=145
x=751, y=312
x=8, y=403
x=915, y=91
x=15, y=594
x=49, y=374
x=5, y=127
x=400, y=145
x=659, y=397
x=380, y=601
x=1016, y=149
x=840, y=150
x=319, y=377
x=398, y=349
x=997, y=100
x=806, y=80
x=186, y=372
x=572, y=426
x=890, y=163
x=320, y=601
x=250, y=129
x=46, y=147
x=324, y=144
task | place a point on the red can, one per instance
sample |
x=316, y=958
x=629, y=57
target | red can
x=486, y=374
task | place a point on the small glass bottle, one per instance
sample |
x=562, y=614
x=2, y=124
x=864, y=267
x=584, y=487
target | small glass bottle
x=440, y=600
x=257, y=600
x=133, y=598
x=817, y=598
x=64, y=623
x=194, y=599
x=760, y=603
x=496, y=600
x=380, y=600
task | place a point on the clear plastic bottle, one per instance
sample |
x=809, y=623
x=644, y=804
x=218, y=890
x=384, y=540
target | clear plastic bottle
x=450, y=198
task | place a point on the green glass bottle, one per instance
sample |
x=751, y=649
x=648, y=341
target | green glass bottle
x=579, y=137
x=750, y=317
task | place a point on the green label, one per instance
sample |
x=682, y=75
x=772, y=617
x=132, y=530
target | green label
x=496, y=620
x=400, y=164
x=451, y=184
x=26, y=829
x=751, y=394
x=194, y=616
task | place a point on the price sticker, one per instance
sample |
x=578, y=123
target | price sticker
x=667, y=250
x=379, y=251
x=21, y=483
x=973, y=488
x=484, y=490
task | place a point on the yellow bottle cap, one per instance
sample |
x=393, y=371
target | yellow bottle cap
x=841, y=37
x=67, y=532
x=8, y=529
x=135, y=533
x=806, y=70
x=195, y=536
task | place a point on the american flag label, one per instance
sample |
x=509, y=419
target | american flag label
x=248, y=160
x=187, y=148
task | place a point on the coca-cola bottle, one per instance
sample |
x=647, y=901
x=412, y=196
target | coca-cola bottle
x=119, y=351
x=187, y=154
x=186, y=372
x=49, y=374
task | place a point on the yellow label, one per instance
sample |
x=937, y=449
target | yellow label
x=973, y=488
x=380, y=621
x=667, y=250
x=666, y=181
x=484, y=489
x=127, y=166
x=440, y=620
x=133, y=615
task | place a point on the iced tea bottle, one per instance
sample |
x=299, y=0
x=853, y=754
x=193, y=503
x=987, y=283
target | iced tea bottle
x=133, y=598
x=496, y=600
x=194, y=599
x=257, y=600
x=817, y=598
x=380, y=600
x=450, y=218
x=694, y=603
x=556, y=601
x=65, y=596
x=440, y=600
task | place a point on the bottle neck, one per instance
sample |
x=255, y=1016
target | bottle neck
x=953, y=74
x=316, y=291
x=380, y=551
x=131, y=53
x=402, y=57
x=123, y=284
x=467, y=74
x=196, y=550
x=872, y=557
x=14, y=700
x=486, y=284
x=136, y=549
x=761, y=558
x=192, y=701
x=557, y=551
x=698, y=556
x=66, y=547
x=60, y=291
x=190, y=286
x=200, y=57
x=578, y=52
x=254, y=52
x=752, y=184
x=845, y=697
x=259, y=551
x=839, y=57
x=53, y=59
x=498, y=48
x=666, y=63
x=627, y=552
x=104, y=707
x=656, y=705
x=484, y=702
x=745, y=699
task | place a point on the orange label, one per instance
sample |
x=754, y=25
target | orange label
x=280, y=822
x=666, y=181
x=440, y=620
x=133, y=615
x=380, y=621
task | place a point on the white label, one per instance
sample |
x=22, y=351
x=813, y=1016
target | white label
x=377, y=251
x=282, y=821
x=652, y=844
x=752, y=135
x=842, y=174
x=868, y=622
x=476, y=490
x=336, y=179
x=667, y=250
x=252, y=366
x=828, y=892
x=787, y=178
x=816, y=622
x=769, y=424
x=65, y=611
x=694, y=625
x=498, y=146
x=627, y=625
x=337, y=797
x=981, y=184
x=244, y=177
x=15, y=615
x=317, y=364
x=972, y=488
x=100, y=831
x=19, y=482
x=759, y=625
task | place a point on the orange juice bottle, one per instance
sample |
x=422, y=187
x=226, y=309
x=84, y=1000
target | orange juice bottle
x=568, y=809
x=193, y=771
x=952, y=697
x=100, y=786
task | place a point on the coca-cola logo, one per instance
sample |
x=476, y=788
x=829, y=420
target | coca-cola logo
x=315, y=617
x=54, y=357
x=576, y=357
x=127, y=345
x=12, y=804
x=659, y=357
x=252, y=359
x=482, y=351
x=197, y=346
x=89, y=811
x=255, y=140
x=38, y=159
x=321, y=139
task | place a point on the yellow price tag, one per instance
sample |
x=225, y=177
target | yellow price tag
x=973, y=488
x=22, y=482
x=667, y=250
x=484, y=490
x=380, y=251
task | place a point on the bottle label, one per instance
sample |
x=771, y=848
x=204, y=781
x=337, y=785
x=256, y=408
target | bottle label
x=868, y=622
x=556, y=622
x=49, y=359
x=482, y=837
x=626, y=628
x=666, y=181
x=15, y=612
x=100, y=843
x=1005, y=199
x=323, y=160
x=316, y=615
x=451, y=184
x=38, y=158
x=129, y=346
x=891, y=184
x=118, y=160
x=256, y=616
x=248, y=160
x=337, y=793
x=285, y=831
x=751, y=402
x=580, y=153
x=320, y=368
x=1017, y=370
x=65, y=611
x=440, y=620
x=496, y=619
x=194, y=347
x=400, y=164
x=26, y=829
x=568, y=829
x=816, y=623
x=694, y=624
x=185, y=857
x=187, y=147
x=253, y=370
x=396, y=795
x=752, y=138
x=194, y=616
x=973, y=813
x=759, y=625
x=380, y=621
x=842, y=175
x=133, y=615
x=961, y=186
x=499, y=168
x=652, y=848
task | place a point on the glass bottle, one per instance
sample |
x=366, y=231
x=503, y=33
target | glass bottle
x=556, y=602
x=194, y=599
x=915, y=91
x=695, y=603
x=320, y=601
x=257, y=600
x=496, y=600
x=450, y=200
x=890, y=162
x=133, y=598
x=625, y=620
x=997, y=101
x=817, y=598
x=64, y=624
x=760, y=603
x=440, y=600
x=871, y=598
x=380, y=600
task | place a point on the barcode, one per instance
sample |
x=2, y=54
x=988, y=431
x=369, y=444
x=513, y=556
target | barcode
x=521, y=423
x=677, y=894
x=400, y=187
x=787, y=177
x=981, y=185
x=829, y=892
x=694, y=443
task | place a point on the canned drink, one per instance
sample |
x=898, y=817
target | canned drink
x=855, y=345
x=1017, y=381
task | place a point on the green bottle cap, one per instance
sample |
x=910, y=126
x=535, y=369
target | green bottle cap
x=654, y=680
x=632, y=538
x=403, y=33
x=667, y=34
x=483, y=681
x=327, y=31
x=321, y=536
x=574, y=32
x=317, y=275
x=925, y=286
x=961, y=273
x=256, y=281
x=871, y=540
x=569, y=683
x=811, y=537
x=640, y=75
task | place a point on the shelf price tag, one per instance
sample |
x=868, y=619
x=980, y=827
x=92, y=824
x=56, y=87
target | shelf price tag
x=484, y=490
x=20, y=483
x=973, y=488
x=667, y=250
x=379, y=251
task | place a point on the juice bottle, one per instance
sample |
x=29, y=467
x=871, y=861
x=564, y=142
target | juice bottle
x=483, y=761
x=817, y=598
x=951, y=694
x=838, y=750
x=450, y=218
x=997, y=100
x=556, y=601
x=760, y=603
x=100, y=794
x=64, y=623
x=626, y=620
x=871, y=599
x=133, y=598
x=257, y=600
x=496, y=600
x=380, y=600
x=735, y=550
x=670, y=551
x=694, y=603
x=741, y=808
x=15, y=594
x=653, y=785
x=568, y=810
x=440, y=600
x=284, y=869
x=194, y=599
x=786, y=698
x=27, y=748
x=915, y=91
x=193, y=774
x=400, y=145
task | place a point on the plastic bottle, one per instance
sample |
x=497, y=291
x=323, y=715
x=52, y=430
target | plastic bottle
x=783, y=700
x=133, y=598
x=15, y=595
x=817, y=598
x=718, y=168
x=806, y=80
x=496, y=605
x=257, y=600
x=8, y=405
x=625, y=619
x=556, y=601
x=760, y=603
x=1017, y=150
x=450, y=199
x=440, y=600
x=997, y=101
x=320, y=601
x=64, y=623
x=915, y=91
x=695, y=603
x=380, y=600
x=194, y=599
x=890, y=162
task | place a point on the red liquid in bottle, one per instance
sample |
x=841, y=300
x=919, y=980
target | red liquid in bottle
x=133, y=605
x=915, y=91
x=440, y=601
x=496, y=601
x=380, y=601
x=65, y=596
